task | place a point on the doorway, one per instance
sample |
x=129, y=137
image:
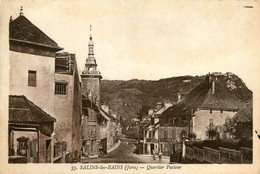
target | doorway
x=48, y=151
x=152, y=148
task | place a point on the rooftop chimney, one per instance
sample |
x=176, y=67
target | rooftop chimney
x=213, y=86
x=208, y=80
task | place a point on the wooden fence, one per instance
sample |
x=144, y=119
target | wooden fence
x=223, y=155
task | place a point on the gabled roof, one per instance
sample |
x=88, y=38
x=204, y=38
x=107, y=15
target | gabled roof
x=22, y=110
x=22, y=30
x=104, y=114
x=201, y=97
x=245, y=114
x=164, y=108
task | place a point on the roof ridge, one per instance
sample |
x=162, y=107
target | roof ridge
x=38, y=29
x=21, y=23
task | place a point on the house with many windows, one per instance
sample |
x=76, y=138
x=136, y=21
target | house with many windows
x=32, y=73
x=67, y=108
x=152, y=129
x=30, y=132
x=204, y=109
x=89, y=128
x=100, y=127
x=44, y=89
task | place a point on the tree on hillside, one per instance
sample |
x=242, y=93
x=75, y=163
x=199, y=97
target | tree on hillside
x=229, y=128
x=211, y=131
x=142, y=111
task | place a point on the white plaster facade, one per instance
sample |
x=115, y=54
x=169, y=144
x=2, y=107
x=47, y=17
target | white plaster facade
x=202, y=118
x=43, y=94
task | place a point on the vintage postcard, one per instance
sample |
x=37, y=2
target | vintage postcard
x=130, y=86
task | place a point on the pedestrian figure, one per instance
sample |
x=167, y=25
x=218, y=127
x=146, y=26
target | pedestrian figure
x=160, y=156
x=154, y=155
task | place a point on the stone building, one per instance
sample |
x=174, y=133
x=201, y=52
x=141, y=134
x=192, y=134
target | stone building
x=208, y=105
x=30, y=132
x=51, y=82
x=90, y=85
x=112, y=130
x=91, y=77
x=205, y=108
x=67, y=108
x=212, y=103
x=153, y=139
x=32, y=74
x=89, y=128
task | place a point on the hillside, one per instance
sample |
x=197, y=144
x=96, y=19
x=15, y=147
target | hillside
x=126, y=97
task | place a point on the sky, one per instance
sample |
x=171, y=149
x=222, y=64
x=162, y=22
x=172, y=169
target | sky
x=153, y=39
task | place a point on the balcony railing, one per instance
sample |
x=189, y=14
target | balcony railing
x=229, y=156
x=198, y=154
x=153, y=140
x=170, y=140
x=246, y=155
x=211, y=155
x=189, y=153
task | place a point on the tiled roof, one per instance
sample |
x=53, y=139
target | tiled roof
x=202, y=98
x=21, y=29
x=164, y=108
x=22, y=110
x=245, y=114
x=104, y=114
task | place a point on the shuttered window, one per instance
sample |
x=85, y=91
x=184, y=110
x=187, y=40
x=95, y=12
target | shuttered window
x=60, y=88
x=32, y=78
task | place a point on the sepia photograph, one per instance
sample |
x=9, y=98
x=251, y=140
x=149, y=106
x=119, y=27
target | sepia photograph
x=115, y=86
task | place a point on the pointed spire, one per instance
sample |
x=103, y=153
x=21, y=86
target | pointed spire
x=21, y=11
x=91, y=43
x=11, y=19
x=90, y=27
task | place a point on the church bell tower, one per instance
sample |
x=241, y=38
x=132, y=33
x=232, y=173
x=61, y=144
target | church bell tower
x=91, y=77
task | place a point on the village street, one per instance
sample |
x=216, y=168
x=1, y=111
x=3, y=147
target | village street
x=124, y=154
